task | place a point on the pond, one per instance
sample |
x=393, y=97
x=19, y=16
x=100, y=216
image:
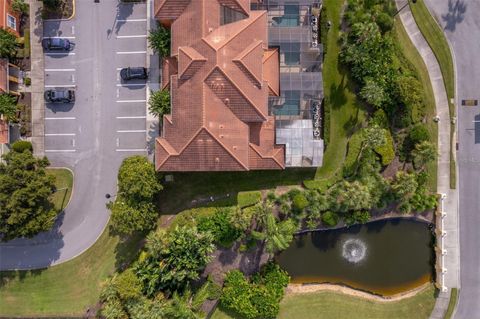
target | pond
x=384, y=257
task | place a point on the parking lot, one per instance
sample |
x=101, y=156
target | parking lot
x=107, y=112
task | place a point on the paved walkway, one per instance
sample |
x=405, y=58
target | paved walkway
x=153, y=83
x=36, y=74
x=448, y=226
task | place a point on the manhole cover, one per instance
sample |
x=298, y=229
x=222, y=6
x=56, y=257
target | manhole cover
x=469, y=102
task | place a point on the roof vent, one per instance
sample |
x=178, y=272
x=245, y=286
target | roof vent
x=217, y=160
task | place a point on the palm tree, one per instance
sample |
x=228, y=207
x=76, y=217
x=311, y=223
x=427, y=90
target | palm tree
x=276, y=235
x=187, y=305
x=424, y=153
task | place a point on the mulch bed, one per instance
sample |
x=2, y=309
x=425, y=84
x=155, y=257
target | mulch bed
x=63, y=11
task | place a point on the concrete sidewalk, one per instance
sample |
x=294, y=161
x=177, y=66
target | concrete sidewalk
x=447, y=229
x=38, y=81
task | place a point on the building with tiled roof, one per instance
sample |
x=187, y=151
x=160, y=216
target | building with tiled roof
x=220, y=74
x=9, y=19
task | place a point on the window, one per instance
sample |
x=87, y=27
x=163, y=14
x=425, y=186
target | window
x=11, y=22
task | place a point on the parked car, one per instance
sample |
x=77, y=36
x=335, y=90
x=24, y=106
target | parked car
x=60, y=96
x=133, y=73
x=57, y=44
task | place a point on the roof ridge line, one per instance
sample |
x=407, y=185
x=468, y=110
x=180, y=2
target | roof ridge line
x=251, y=19
x=225, y=148
x=243, y=54
x=241, y=92
x=254, y=147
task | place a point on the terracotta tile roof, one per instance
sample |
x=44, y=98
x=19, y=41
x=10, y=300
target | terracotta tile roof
x=220, y=77
x=169, y=68
x=271, y=67
x=3, y=75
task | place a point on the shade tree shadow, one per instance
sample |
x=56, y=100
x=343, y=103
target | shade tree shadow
x=455, y=15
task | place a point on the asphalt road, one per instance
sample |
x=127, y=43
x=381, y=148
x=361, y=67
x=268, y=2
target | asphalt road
x=461, y=23
x=93, y=135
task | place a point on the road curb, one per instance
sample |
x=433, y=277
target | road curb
x=73, y=183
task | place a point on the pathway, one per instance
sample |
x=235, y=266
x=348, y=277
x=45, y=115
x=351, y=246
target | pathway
x=449, y=206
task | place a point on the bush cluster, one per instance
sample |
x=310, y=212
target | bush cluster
x=258, y=298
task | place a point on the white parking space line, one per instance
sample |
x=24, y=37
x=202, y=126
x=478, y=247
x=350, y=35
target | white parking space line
x=59, y=53
x=60, y=86
x=131, y=101
x=60, y=118
x=59, y=38
x=59, y=70
x=132, y=52
x=132, y=84
x=131, y=131
x=130, y=117
x=131, y=149
x=60, y=134
x=131, y=36
x=60, y=151
x=132, y=20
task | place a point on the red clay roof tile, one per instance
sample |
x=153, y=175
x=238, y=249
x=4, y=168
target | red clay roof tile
x=219, y=119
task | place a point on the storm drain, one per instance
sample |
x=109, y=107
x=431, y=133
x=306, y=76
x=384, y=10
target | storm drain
x=469, y=102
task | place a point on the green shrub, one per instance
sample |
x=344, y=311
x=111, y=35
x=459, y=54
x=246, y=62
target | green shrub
x=416, y=135
x=259, y=298
x=159, y=41
x=326, y=120
x=19, y=6
x=299, y=202
x=387, y=150
x=52, y=4
x=245, y=199
x=220, y=226
x=380, y=118
x=354, y=147
x=27, y=81
x=22, y=146
x=26, y=44
x=330, y=219
x=159, y=103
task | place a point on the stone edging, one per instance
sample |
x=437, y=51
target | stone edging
x=294, y=289
x=385, y=217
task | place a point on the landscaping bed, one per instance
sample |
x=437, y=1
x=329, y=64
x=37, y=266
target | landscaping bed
x=60, y=9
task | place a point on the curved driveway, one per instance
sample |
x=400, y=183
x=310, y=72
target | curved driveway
x=461, y=23
x=106, y=124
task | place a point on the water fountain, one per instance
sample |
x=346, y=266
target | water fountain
x=354, y=250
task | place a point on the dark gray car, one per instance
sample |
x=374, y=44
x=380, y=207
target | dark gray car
x=59, y=96
x=57, y=44
x=133, y=73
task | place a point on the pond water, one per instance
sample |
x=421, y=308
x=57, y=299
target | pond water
x=384, y=257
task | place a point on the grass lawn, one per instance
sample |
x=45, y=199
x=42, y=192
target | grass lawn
x=452, y=304
x=345, y=111
x=177, y=195
x=64, y=290
x=64, y=184
x=437, y=41
x=411, y=54
x=330, y=305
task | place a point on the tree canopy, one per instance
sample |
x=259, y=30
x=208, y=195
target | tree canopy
x=138, y=180
x=159, y=41
x=159, y=103
x=8, y=105
x=174, y=258
x=8, y=44
x=25, y=188
x=138, y=184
